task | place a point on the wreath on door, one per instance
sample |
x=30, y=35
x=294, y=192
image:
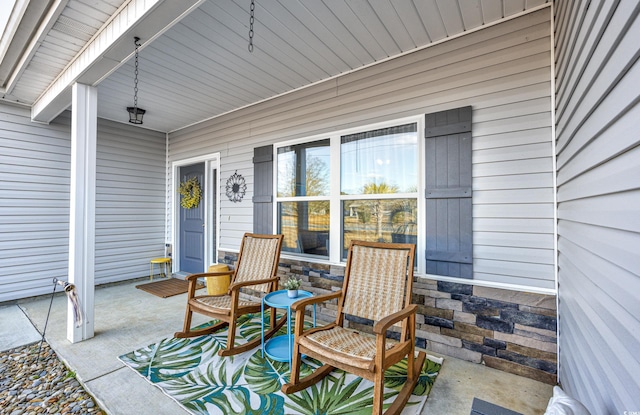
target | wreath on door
x=191, y=193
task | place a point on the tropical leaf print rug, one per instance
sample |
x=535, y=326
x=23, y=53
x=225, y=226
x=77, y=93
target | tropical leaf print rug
x=191, y=372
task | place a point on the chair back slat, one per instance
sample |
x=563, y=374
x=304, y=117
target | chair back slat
x=377, y=281
x=258, y=260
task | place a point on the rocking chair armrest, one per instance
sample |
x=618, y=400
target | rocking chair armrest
x=238, y=285
x=192, y=277
x=299, y=307
x=208, y=274
x=193, y=281
x=218, y=273
x=301, y=304
x=383, y=325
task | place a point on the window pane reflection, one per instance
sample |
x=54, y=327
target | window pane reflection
x=387, y=220
x=303, y=169
x=380, y=161
x=305, y=226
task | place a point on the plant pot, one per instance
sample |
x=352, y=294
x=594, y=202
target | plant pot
x=292, y=293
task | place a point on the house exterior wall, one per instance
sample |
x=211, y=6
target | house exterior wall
x=502, y=71
x=130, y=201
x=34, y=202
x=598, y=171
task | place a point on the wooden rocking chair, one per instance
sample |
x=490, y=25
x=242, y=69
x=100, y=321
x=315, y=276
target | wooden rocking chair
x=257, y=269
x=377, y=286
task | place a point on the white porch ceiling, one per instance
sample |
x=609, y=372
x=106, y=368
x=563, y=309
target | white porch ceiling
x=201, y=67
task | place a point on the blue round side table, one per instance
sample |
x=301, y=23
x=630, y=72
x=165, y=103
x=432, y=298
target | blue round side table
x=280, y=348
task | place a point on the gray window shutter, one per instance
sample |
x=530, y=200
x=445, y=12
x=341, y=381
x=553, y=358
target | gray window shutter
x=263, y=190
x=449, y=243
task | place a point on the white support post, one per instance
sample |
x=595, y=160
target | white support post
x=82, y=229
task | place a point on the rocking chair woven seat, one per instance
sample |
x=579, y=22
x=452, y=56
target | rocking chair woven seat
x=257, y=269
x=349, y=346
x=377, y=286
x=221, y=304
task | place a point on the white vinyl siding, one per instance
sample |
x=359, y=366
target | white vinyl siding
x=598, y=153
x=130, y=200
x=503, y=72
x=34, y=202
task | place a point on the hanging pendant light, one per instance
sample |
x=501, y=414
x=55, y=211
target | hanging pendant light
x=135, y=113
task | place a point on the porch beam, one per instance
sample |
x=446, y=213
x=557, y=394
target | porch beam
x=82, y=229
x=109, y=49
x=34, y=12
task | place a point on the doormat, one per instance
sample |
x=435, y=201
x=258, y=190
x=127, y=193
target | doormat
x=191, y=373
x=167, y=288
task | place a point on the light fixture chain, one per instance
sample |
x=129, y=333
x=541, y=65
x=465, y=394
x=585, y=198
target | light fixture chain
x=135, y=113
x=135, y=81
x=251, y=19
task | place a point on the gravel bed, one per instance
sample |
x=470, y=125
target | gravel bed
x=45, y=386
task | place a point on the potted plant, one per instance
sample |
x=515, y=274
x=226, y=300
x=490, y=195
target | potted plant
x=292, y=285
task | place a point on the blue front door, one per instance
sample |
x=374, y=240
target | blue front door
x=192, y=225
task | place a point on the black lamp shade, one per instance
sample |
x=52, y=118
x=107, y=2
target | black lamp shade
x=135, y=115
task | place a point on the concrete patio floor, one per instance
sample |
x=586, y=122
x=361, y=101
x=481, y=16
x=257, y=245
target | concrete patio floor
x=127, y=318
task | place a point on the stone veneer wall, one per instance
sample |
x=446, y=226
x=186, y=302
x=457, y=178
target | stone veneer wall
x=508, y=330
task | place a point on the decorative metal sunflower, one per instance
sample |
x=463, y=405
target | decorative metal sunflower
x=236, y=187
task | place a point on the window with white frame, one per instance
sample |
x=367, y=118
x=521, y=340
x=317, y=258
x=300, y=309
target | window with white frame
x=374, y=198
x=303, y=194
x=379, y=185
